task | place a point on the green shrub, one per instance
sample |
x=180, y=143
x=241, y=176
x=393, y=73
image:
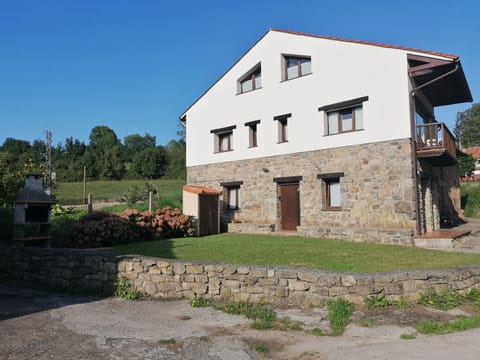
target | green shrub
x=264, y=317
x=201, y=302
x=439, y=328
x=62, y=219
x=6, y=223
x=125, y=290
x=444, y=301
x=379, y=302
x=339, y=312
x=471, y=198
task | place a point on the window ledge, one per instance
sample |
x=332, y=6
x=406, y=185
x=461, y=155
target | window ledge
x=333, y=209
x=249, y=91
x=345, y=132
x=221, y=152
x=282, y=142
x=298, y=77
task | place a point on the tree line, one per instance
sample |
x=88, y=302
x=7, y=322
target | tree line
x=105, y=157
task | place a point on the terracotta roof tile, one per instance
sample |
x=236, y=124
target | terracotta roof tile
x=195, y=189
x=474, y=151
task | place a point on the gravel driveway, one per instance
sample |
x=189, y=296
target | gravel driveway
x=41, y=325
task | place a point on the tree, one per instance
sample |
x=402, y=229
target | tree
x=10, y=182
x=17, y=153
x=69, y=159
x=135, y=143
x=467, y=127
x=176, y=168
x=466, y=165
x=150, y=163
x=103, y=157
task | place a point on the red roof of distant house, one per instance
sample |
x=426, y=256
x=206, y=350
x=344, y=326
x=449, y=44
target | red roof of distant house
x=194, y=189
x=474, y=151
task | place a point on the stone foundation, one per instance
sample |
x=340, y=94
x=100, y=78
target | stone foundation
x=382, y=236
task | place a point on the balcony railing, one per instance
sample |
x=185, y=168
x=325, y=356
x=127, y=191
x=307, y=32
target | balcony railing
x=436, y=144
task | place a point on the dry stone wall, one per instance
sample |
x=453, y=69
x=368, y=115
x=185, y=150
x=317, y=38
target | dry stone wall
x=93, y=270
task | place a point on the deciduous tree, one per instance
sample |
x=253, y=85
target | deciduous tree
x=467, y=127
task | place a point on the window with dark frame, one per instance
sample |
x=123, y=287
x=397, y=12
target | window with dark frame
x=251, y=81
x=344, y=117
x=232, y=195
x=223, y=139
x=282, y=127
x=332, y=191
x=296, y=66
x=345, y=120
x=333, y=197
x=252, y=133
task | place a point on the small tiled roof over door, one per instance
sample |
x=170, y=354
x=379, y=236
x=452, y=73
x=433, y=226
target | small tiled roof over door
x=195, y=189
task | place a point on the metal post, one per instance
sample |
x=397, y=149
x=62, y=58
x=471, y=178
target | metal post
x=150, y=200
x=90, y=203
x=84, y=185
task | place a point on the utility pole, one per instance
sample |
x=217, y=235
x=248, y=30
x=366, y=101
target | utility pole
x=85, y=185
x=48, y=160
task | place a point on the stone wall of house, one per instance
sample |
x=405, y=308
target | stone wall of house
x=94, y=270
x=439, y=196
x=377, y=191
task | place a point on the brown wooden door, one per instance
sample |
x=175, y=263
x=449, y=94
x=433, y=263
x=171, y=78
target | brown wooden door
x=208, y=214
x=289, y=206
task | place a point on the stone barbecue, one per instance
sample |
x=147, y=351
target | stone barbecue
x=32, y=214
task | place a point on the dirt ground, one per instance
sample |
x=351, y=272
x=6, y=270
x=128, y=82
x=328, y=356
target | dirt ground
x=40, y=325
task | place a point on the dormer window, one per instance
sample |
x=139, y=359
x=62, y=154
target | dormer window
x=296, y=66
x=250, y=81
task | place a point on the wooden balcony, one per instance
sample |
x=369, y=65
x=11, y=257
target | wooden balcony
x=436, y=144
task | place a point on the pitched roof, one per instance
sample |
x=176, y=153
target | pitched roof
x=432, y=53
x=474, y=151
x=194, y=189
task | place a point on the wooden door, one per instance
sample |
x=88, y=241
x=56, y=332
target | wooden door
x=289, y=207
x=208, y=219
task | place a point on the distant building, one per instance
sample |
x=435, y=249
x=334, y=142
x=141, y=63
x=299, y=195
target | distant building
x=329, y=137
x=475, y=152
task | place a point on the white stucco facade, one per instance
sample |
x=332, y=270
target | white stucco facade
x=340, y=71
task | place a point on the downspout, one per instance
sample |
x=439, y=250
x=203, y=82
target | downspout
x=414, y=142
x=435, y=80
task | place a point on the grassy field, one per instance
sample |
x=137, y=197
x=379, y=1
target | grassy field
x=471, y=198
x=301, y=252
x=169, y=191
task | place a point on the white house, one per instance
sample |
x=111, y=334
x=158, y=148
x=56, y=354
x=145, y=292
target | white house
x=329, y=137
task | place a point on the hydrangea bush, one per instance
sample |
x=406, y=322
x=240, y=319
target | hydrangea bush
x=99, y=229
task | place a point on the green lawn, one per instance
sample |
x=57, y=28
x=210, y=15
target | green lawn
x=72, y=193
x=297, y=251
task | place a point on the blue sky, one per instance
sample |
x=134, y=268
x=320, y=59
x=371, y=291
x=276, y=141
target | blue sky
x=136, y=65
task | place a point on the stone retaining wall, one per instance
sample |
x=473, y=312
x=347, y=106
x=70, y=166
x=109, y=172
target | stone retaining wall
x=79, y=270
x=98, y=270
